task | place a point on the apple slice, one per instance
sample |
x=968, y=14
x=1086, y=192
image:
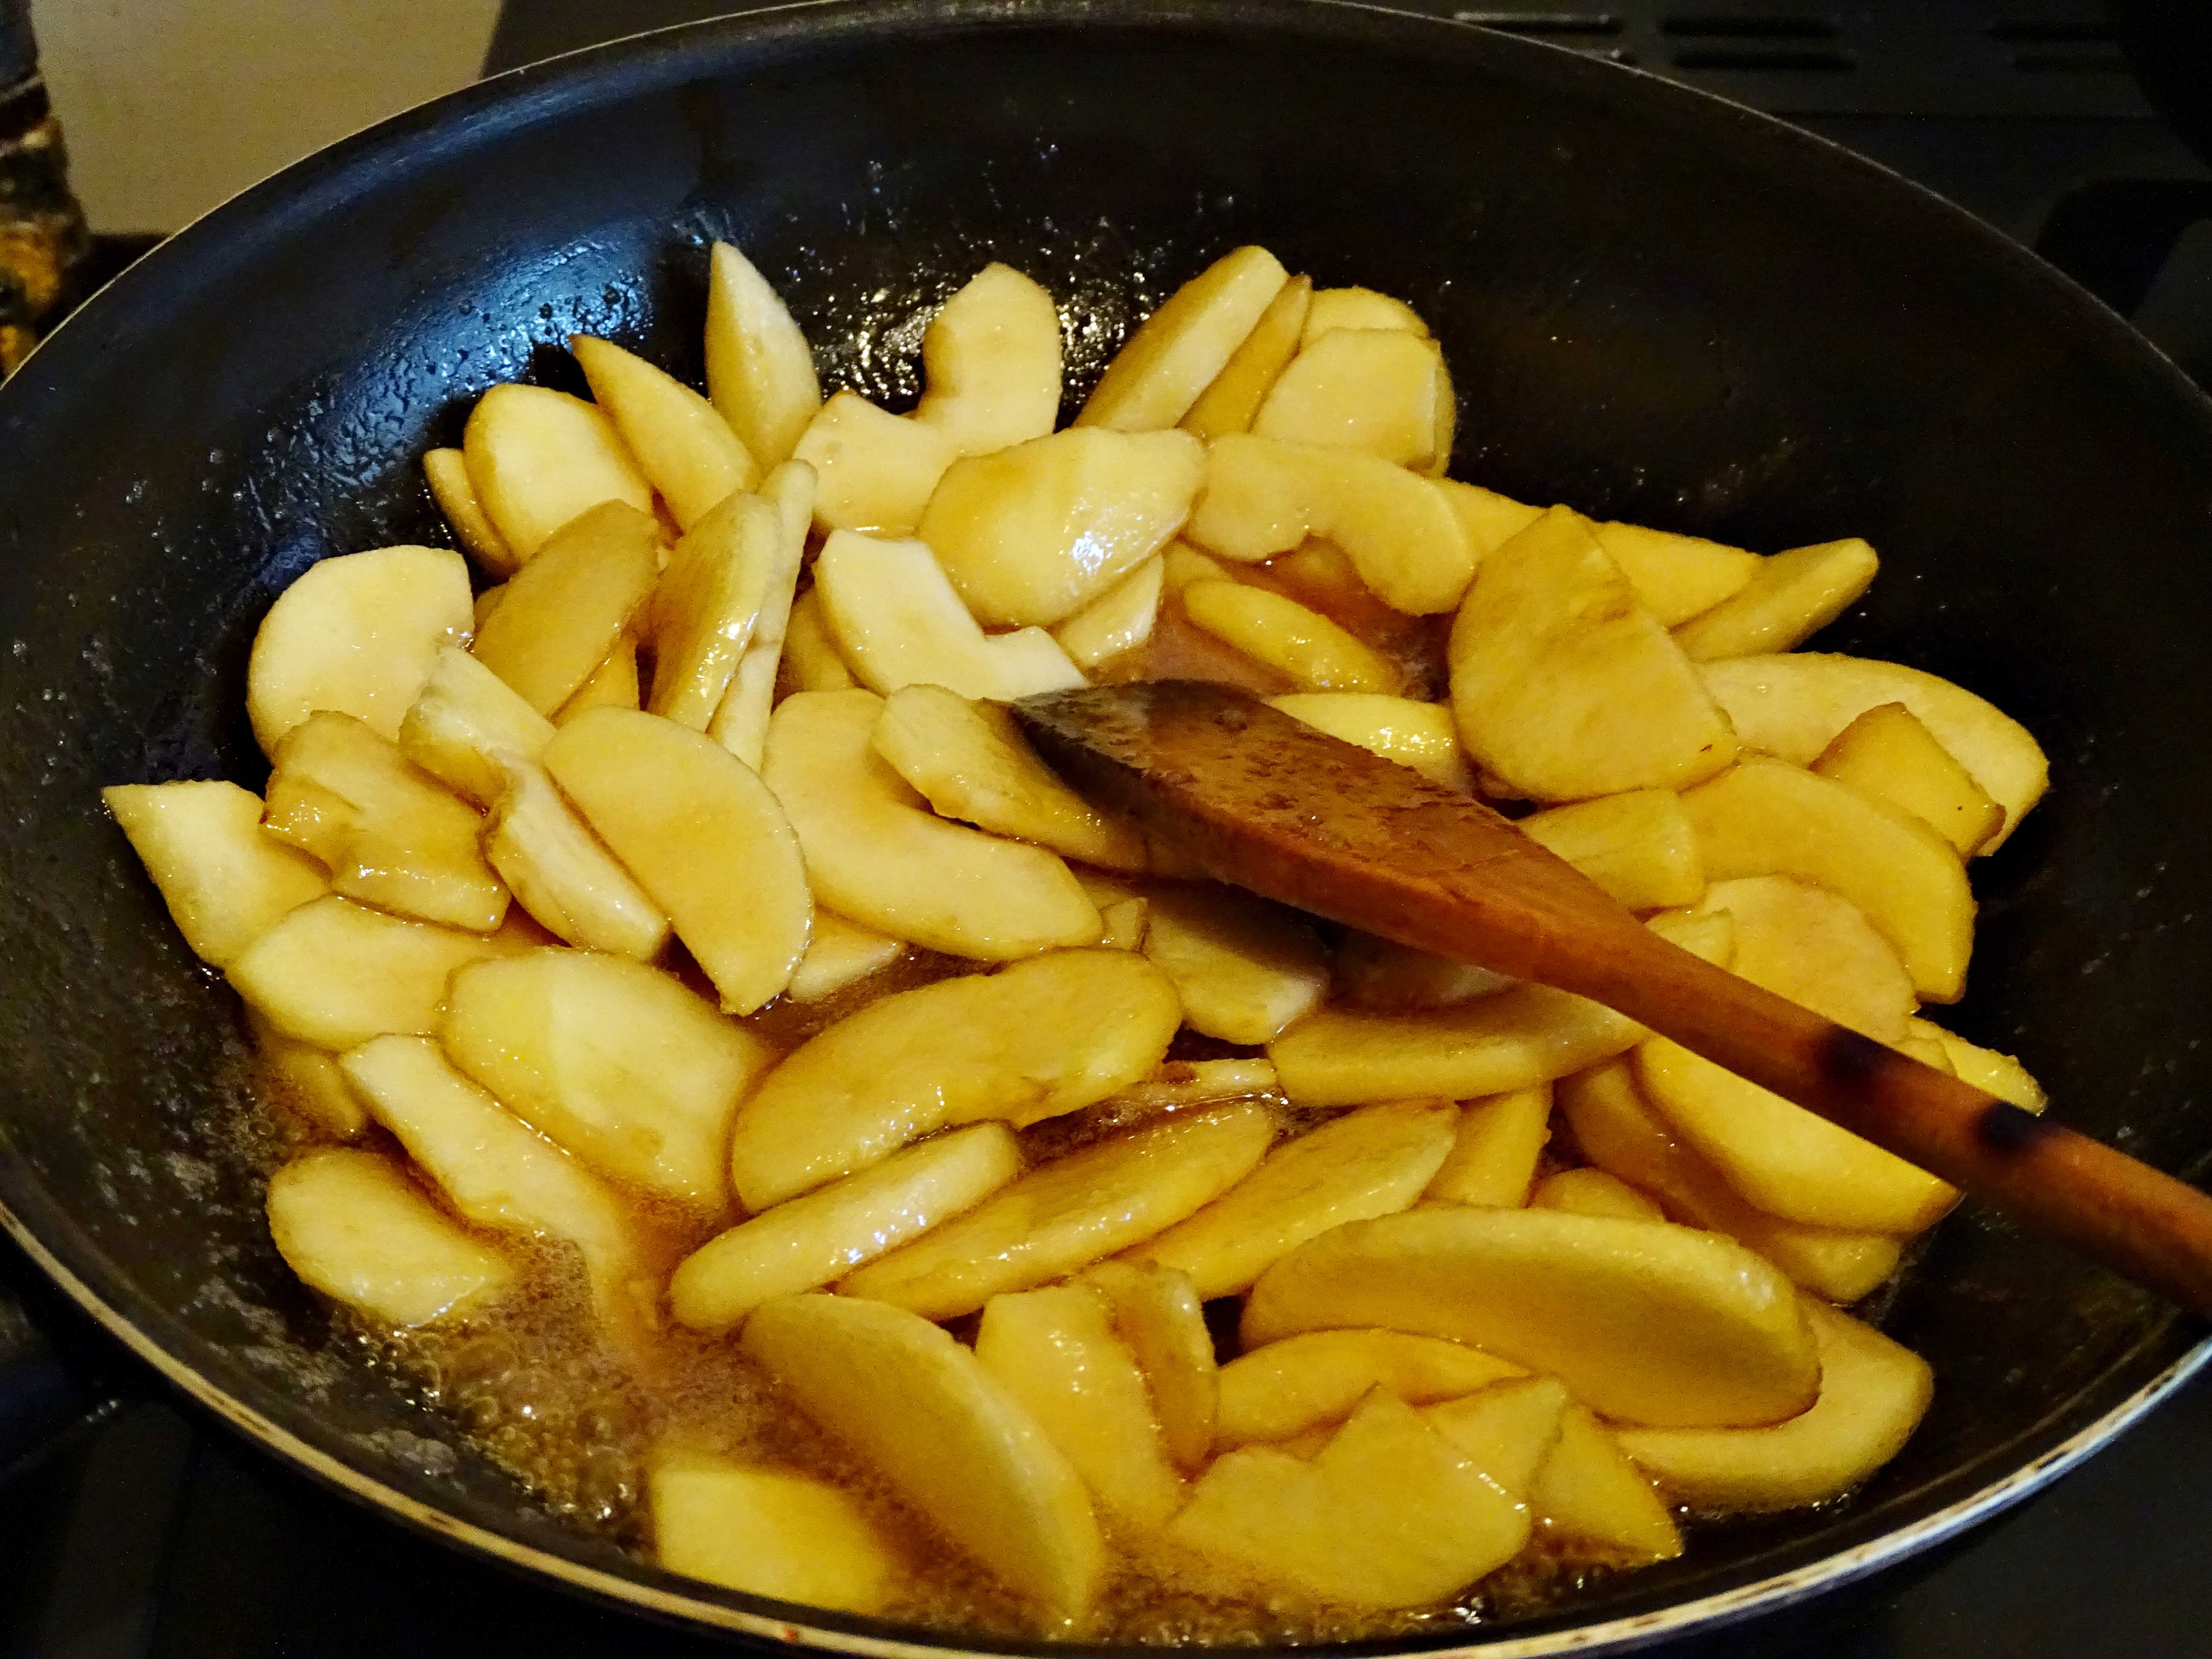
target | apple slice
x=355, y=1228
x=878, y=855
x=614, y=683
x=1645, y=1321
x=1507, y=1430
x=1791, y=597
x=1179, y=1083
x=1244, y=968
x=1384, y=391
x=539, y=458
x=1179, y=351
x=1818, y=948
x=1365, y=1164
x=839, y=955
x=760, y=371
x=464, y=720
x=1234, y=396
x=1157, y=1312
x=446, y=472
x=708, y=600
x=562, y=874
x=565, y=608
x=1375, y=973
x=1589, y=1492
x=806, y=1242
x=1495, y=1149
x=1888, y=753
x=1637, y=845
x=897, y=622
x=1282, y=1389
x=921, y=1411
x=811, y=659
x=740, y=722
x=1420, y=735
x=702, y=834
x=225, y=880
x=1565, y=687
x=768, y=1532
x=1042, y=1037
x=306, y=1080
x=1055, y=1352
x=991, y=359
x=1073, y=1212
x=1986, y=1069
x=1305, y=648
x=357, y=634
x=683, y=447
x=1031, y=534
x=1593, y=1192
x=875, y=471
x=1358, y=307
x=333, y=972
x=1118, y=621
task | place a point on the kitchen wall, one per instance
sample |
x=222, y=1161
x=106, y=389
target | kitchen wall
x=171, y=105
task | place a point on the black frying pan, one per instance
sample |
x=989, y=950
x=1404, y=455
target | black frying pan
x=1656, y=306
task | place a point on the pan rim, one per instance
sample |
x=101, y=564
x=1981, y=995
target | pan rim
x=629, y=65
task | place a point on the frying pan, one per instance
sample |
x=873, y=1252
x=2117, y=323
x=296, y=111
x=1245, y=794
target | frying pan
x=1657, y=306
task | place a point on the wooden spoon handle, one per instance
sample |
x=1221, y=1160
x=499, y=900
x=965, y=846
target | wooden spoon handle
x=2149, y=1226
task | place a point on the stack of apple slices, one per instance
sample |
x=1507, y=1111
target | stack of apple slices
x=549, y=878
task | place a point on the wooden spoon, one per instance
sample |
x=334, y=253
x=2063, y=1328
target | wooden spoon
x=1263, y=801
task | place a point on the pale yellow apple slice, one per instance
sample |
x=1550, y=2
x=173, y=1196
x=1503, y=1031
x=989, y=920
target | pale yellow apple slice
x=1588, y=1491
x=1118, y=621
x=768, y=1532
x=352, y=1225
x=446, y=472
x=1051, y=1035
x=1420, y=735
x=539, y=458
x=1590, y=1191
x=878, y=855
x=225, y=880
x=1358, y=307
x=1791, y=597
x=391, y=835
x=1507, y=1430
x=1399, y=529
x=1308, y=650
x=1244, y=968
x=707, y=603
x=1234, y=396
x=1618, y=1131
x=1178, y=350
x=1565, y=687
x=875, y=471
x=839, y=955
x=1793, y=705
x=1073, y=1212
x=1388, y=1514
x=921, y=1411
x=464, y=720
x=1284, y=1388
x=970, y=762
x=1645, y=1321
x=1888, y=752
x=1377, y=974
x=565, y=608
x=1031, y=534
x=614, y=683
x=333, y=972
x=1765, y=817
x=685, y=449
x=1815, y=947
x=897, y=622
x=740, y=722
x=702, y=834
x=1873, y=1394
x=1384, y=391
x=1637, y=845
x=1368, y=1163
x=1999, y=1074
x=358, y=634
x=806, y=1242
x=306, y=1080
x=1180, y=1083
x=760, y=372
x=991, y=362
x=562, y=874
x=498, y=1173
x=1055, y=1351
x=811, y=659
x=1157, y=1312
x=1495, y=1149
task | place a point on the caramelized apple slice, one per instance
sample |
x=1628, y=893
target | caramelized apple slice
x=333, y=972
x=768, y=1532
x=707, y=605
x=1274, y=1392
x=225, y=880
x=446, y=472
x=565, y=608
x=1244, y=968
x=562, y=874
x=539, y=458
x=1587, y=1491
x=465, y=722
x=1791, y=597
x=1384, y=391
x=1420, y=735
x=1495, y=1148
x=1178, y=350
x=991, y=361
x=355, y=1228
x=1234, y=397
x=875, y=471
x=687, y=450
x=1157, y=1312
x=760, y=372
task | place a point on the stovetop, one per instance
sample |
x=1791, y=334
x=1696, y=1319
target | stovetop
x=152, y=1533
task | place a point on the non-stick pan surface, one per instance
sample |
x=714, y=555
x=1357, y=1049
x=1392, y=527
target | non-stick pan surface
x=1656, y=308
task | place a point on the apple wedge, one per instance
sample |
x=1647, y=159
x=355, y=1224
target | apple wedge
x=897, y=622
x=1888, y=752
x=464, y=720
x=1234, y=396
x=875, y=471
x=921, y=1411
x=876, y=854
x=355, y=1228
x=839, y=955
x=1565, y=687
x=760, y=371
x=539, y=458
x=1051, y=1035
x=1986, y=1069
x=1792, y=705
x=768, y=1532
x=333, y=972
x=225, y=880
x=1590, y=1191
x=1284, y=1388
x=704, y=836
x=1420, y=735
x=740, y=722
x=562, y=874
x=1637, y=845
x=1507, y=1430
x=358, y=634
x=1118, y=621
x=1375, y=973
x=1373, y=1161
x=990, y=359
x=1243, y=967
x=1818, y=948
x=1333, y=308
x=707, y=605
x=1383, y=391
x=1157, y=1313
x=686, y=451
x=1589, y=1493
x=1791, y=597
x=565, y=608
x=1495, y=1148
x=1073, y=1212
x=1182, y=347
x=811, y=659
x=1305, y=648
x=1645, y=1321
x=614, y=683
x=306, y=1080
x=446, y=472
